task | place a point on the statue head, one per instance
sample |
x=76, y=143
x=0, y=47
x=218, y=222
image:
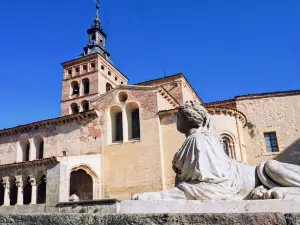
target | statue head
x=191, y=115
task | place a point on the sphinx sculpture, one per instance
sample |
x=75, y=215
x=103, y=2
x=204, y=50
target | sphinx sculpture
x=205, y=172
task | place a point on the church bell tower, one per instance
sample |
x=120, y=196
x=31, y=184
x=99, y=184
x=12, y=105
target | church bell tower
x=90, y=74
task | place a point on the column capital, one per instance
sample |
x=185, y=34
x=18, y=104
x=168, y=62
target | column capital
x=19, y=181
x=5, y=182
x=32, y=180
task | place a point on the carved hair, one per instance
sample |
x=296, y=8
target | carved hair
x=194, y=112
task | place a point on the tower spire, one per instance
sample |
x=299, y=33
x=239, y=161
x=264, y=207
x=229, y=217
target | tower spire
x=97, y=18
x=97, y=37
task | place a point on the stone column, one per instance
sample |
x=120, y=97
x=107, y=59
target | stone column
x=6, y=185
x=33, y=183
x=19, y=184
x=125, y=125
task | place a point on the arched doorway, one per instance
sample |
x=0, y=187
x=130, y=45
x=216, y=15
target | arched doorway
x=81, y=184
x=1, y=193
x=41, y=192
x=27, y=192
x=13, y=193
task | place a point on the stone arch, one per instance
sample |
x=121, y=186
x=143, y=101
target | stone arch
x=1, y=193
x=24, y=149
x=115, y=124
x=228, y=144
x=133, y=120
x=41, y=190
x=65, y=152
x=86, y=86
x=84, y=183
x=13, y=193
x=75, y=90
x=39, y=146
x=27, y=190
x=85, y=106
x=74, y=108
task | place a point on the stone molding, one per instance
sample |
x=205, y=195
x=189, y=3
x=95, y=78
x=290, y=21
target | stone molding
x=49, y=122
x=212, y=110
x=27, y=164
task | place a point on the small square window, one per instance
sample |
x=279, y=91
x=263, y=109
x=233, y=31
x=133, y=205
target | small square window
x=84, y=67
x=77, y=69
x=102, y=67
x=93, y=65
x=70, y=72
x=116, y=78
x=271, y=142
x=109, y=73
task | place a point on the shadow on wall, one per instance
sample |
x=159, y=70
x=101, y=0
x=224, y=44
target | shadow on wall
x=291, y=154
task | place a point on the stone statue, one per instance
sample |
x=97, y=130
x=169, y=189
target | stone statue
x=205, y=172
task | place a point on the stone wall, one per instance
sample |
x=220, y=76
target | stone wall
x=79, y=137
x=268, y=114
x=131, y=166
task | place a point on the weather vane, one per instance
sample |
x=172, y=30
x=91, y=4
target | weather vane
x=97, y=3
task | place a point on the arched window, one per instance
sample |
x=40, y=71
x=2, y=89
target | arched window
x=133, y=119
x=75, y=88
x=85, y=106
x=74, y=108
x=41, y=192
x=64, y=153
x=116, y=123
x=108, y=87
x=227, y=144
x=86, y=86
x=39, y=146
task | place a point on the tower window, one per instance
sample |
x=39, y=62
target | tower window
x=93, y=65
x=70, y=72
x=108, y=87
x=102, y=67
x=75, y=88
x=109, y=73
x=122, y=82
x=77, y=70
x=93, y=37
x=86, y=86
x=74, y=108
x=84, y=67
x=116, y=78
x=85, y=106
x=271, y=142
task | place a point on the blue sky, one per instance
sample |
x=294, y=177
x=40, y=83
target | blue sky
x=224, y=48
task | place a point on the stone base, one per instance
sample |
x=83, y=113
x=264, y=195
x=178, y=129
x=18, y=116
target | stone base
x=114, y=206
x=180, y=206
x=153, y=219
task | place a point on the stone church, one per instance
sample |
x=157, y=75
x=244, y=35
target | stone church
x=113, y=139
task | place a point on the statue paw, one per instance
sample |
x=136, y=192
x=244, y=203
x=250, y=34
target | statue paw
x=275, y=193
x=258, y=193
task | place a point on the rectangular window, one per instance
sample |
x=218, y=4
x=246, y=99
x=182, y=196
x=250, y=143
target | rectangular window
x=271, y=142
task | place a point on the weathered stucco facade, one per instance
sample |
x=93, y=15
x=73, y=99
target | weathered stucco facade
x=115, y=139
